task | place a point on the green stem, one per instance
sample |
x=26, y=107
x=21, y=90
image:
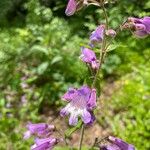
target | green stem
x=103, y=47
x=81, y=138
x=101, y=59
x=105, y=14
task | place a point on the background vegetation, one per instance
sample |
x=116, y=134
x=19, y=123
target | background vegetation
x=39, y=51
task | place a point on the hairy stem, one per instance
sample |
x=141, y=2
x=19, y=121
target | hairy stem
x=81, y=138
x=101, y=59
x=103, y=47
x=105, y=14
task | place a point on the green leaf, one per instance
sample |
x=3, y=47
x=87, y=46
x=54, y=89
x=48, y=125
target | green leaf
x=56, y=59
x=114, y=46
x=42, y=68
x=2, y=102
x=38, y=48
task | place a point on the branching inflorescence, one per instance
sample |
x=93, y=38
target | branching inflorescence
x=82, y=101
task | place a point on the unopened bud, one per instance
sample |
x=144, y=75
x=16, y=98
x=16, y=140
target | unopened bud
x=111, y=33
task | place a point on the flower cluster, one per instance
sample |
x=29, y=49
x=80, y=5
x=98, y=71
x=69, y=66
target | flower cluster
x=139, y=26
x=42, y=132
x=114, y=143
x=82, y=101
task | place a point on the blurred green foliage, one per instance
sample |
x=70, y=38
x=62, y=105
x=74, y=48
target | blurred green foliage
x=39, y=52
x=129, y=115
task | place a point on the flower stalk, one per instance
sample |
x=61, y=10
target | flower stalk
x=103, y=47
x=101, y=60
x=81, y=137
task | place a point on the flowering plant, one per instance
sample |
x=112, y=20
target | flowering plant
x=81, y=102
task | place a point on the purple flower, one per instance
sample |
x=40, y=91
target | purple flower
x=120, y=143
x=116, y=144
x=71, y=7
x=88, y=56
x=81, y=104
x=141, y=26
x=97, y=35
x=109, y=147
x=44, y=144
x=39, y=129
x=75, y=5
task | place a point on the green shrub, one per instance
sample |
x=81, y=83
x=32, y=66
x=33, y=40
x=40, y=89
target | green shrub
x=129, y=107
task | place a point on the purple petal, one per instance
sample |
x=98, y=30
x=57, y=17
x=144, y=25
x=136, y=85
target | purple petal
x=84, y=90
x=121, y=144
x=139, y=26
x=92, y=101
x=87, y=55
x=140, y=34
x=86, y=117
x=71, y=7
x=109, y=147
x=69, y=95
x=97, y=35
x=92, y=119
x=64, y=111
x=73, y=120
x=34, y=128
x=146, y=22
x=43, y=146
x=45, y=140
x=94, y=64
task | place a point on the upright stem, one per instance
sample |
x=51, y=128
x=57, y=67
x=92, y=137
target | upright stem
x=101, y=59
x=81, y=138
x=105, y=14
x=103, y=47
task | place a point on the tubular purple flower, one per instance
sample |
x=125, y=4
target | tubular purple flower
x=97, y=35
x=39, y=141
x=44, y=144
x=109, y=147
x=39, y=129
x=75, y=5
x=116, y=144
x=88, y=56
x=121, y=144
x=71, y=7
x=81, y=105
x=141, y=26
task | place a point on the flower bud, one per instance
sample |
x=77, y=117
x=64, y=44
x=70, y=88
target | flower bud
x=111, y=33
x=71, y=7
